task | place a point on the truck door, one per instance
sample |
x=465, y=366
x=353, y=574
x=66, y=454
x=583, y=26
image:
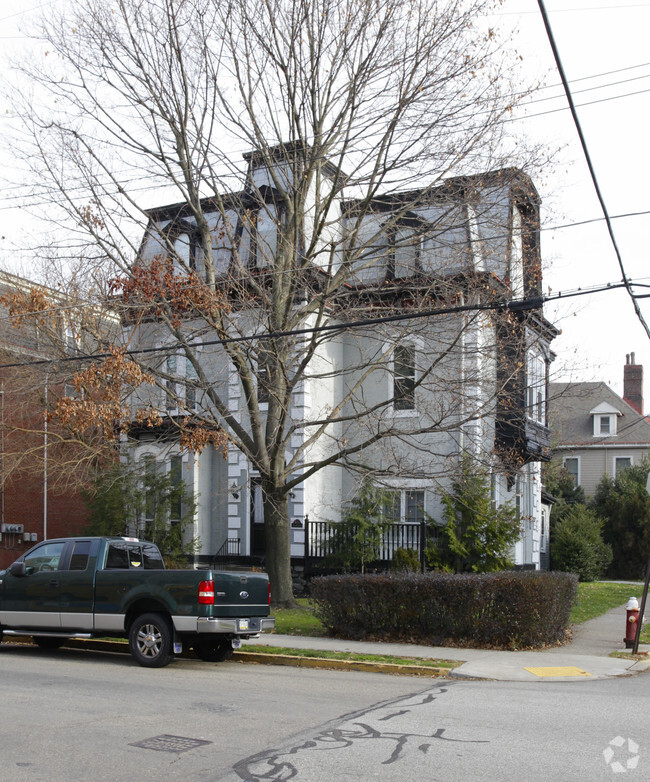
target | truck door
x=77, y=581
x=32, y=600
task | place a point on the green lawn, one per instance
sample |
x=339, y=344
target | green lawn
x=298, y=621
x=597, y=597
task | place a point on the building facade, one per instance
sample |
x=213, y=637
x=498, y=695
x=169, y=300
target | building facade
x=37, y=499
x=435, y=346
x=596, y=432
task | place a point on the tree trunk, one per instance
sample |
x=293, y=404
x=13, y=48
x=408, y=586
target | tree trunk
x=278, y=547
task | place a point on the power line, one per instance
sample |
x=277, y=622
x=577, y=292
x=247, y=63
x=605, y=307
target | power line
x=590, y=165
x=513, y=305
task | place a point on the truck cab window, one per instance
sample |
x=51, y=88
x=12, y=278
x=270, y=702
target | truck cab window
x=44, y=558
x=80, y=554
x=117, y=557
x=152, y=558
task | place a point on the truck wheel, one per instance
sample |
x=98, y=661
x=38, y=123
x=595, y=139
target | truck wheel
x=213, y=651
x=48, y=643
x=150, y=640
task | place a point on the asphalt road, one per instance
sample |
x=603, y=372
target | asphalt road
x=71, y=715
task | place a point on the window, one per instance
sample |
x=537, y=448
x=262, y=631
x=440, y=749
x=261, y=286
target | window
x=259, y=237
x=543, y=533
x=44, y=559
x=414, y=506
x=404, y=505
x=261, y=368
x=519, y=498
x=80, y=555
x=605, y=419
x=572, y=466
x=404, y=258
x=517, y=256
x=170, y=383
x=262, y=384
x=181, y=384
x=621, y=463
x=191, y=379
x=536, y=388
x=149, y=487
x=117, y=557
x=222, y=235
x=392, y=509
x=404, y=377
x=176, y=493
x=188, y=254
x=123, y=555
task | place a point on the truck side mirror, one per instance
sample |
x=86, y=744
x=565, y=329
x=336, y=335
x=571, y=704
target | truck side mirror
x=17, y=569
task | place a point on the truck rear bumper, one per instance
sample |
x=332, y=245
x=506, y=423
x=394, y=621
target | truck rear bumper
x=231, y=626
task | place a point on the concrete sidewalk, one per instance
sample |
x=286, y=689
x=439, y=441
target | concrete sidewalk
x=585, y=658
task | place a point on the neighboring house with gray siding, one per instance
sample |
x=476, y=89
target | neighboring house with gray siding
x=596, y=432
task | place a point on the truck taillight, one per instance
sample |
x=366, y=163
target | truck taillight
x=269, y=593
x=206, y=593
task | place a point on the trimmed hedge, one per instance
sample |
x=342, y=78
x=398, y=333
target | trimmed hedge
x=512, y=610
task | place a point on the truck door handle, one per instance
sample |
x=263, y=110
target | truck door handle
x=54, y=582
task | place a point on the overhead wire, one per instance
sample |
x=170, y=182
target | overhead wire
x=590, y=165
x=513, y=305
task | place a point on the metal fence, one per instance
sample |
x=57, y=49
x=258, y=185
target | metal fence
x=230, y=548
x=324, y=540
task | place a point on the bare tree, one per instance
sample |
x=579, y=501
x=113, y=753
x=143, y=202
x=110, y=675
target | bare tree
x=352, y=117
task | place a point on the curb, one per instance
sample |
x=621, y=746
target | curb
x=260, y=658
x=340, y=665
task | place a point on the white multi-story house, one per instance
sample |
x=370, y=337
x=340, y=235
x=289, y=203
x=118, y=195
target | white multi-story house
x=434, y=345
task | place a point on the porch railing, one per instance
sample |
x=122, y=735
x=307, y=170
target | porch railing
x=323, y=539
x=231, y=547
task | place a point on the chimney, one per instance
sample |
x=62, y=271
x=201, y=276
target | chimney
x=633, y=383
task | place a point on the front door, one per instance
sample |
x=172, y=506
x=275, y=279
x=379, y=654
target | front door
x=257, y=533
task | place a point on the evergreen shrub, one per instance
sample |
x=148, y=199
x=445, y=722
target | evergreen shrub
x=512, y=610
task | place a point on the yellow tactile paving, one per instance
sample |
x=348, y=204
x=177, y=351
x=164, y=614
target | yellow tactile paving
x=569, y=670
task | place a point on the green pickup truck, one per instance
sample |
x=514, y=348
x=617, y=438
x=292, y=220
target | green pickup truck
x=96, y=587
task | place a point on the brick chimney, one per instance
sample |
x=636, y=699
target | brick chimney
x=633, y=383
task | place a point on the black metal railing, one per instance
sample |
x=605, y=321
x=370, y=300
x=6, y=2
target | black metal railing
x=229, y=549
x=324, y=540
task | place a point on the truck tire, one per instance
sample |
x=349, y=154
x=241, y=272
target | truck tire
x=48, y=643
x=213, y=651
x=150, y=640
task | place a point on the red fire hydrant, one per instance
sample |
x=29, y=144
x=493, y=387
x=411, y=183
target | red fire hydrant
x=631, y=619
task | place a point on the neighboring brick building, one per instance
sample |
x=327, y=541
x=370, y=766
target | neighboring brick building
x=31, y=506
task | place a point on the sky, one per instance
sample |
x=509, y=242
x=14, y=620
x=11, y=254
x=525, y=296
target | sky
x=603, y=46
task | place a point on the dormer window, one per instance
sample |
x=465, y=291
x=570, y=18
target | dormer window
x=258, y=240
x=187, y=252
x=604, y=420
x=405, y=248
